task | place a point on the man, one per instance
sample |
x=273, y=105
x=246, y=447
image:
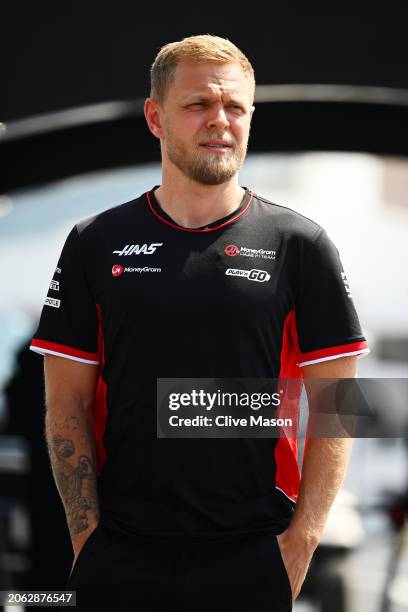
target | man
x=145, y=291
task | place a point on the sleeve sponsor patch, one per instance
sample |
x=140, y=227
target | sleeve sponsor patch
x=69, y=316
x=52, y=302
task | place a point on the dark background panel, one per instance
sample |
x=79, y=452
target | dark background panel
x=55, y=57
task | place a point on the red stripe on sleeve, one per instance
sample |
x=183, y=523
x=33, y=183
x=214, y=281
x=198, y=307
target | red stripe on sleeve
x=62, y=348
x=342, y=349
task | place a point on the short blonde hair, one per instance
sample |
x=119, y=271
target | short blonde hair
x=196, y=49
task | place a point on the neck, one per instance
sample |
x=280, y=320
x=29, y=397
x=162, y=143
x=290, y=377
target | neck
x=191, y=204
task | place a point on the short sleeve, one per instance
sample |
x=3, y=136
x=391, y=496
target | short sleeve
x=326, y=320
x=69, y=320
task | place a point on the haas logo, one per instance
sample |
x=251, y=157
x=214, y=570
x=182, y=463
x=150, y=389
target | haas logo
x=138, y=249
x=231, y=250
x=117, y=270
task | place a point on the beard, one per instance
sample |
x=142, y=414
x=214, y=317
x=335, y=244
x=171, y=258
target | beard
x=203, y=166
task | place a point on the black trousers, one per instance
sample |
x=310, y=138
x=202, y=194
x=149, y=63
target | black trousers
x=116, y=571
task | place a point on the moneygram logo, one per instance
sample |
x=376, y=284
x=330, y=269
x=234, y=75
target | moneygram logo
x=232, y=250
x=259, y=276
x=142, y=270
x=117, y=270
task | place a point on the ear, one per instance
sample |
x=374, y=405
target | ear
x=152, y=113
x=252, y=112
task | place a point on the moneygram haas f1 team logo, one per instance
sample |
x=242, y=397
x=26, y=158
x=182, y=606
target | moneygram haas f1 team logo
x=232, y=250
x=260, y=276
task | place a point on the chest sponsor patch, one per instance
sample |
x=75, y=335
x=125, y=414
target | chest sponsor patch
x=118, y=270
x=138, y=249
x=232, y=250
x=260, y=276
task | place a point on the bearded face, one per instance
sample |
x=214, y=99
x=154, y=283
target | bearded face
x=200, y=162
x=205, y=121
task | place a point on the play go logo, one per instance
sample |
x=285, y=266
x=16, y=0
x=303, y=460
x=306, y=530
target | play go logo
x=117, y=270
x=260, y=276
x=231, y=250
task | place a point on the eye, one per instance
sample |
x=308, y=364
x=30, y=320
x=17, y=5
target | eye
x=197, y=105
x=236, y=107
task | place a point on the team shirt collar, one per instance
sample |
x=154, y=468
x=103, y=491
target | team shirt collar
x=215, y=225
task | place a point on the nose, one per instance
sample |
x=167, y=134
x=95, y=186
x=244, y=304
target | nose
x=218, y=118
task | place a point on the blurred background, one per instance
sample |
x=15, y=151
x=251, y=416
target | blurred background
x=329, y=139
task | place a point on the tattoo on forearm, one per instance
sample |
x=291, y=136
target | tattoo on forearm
x=77, y=484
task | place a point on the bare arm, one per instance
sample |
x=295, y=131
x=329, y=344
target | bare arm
x=324, y=463
x=70, y=389
x=324, y=467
